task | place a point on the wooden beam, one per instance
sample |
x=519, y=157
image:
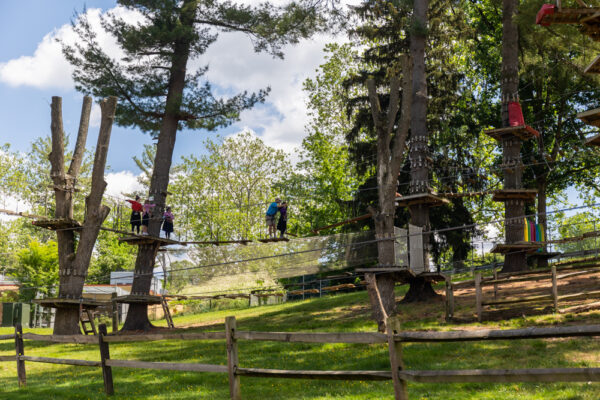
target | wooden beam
x=104, y=356
x=80, y=339
x=169, y=336
x=504, y=375
x=500, y=334
x=7, y=337
x=167, y=366
x=20, y=352
x=316, y=337
x=395, y=352
x=232, y=359
x=307, y=374
x=64, y=361
x=478, y=296
x=7, y=358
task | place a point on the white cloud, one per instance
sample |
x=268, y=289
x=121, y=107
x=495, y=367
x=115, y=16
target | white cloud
x=121, y=182
x=47, y=68
x=234, y=66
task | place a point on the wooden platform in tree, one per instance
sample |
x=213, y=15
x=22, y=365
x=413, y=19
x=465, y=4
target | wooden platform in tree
x=590, y=25
x=544, y=254
x=400, y=274
x=138, y=299
x=505, y=248
x=593, y=141
x=69, y=303
x=512, y=194
x=523, y=132
x=430, y=199
x=283, y=239
x=433, y=276
x=137, y=240
x=594, y=67
x=57, y=224
x=568, y=16
x=220, y=242
x=590, y=117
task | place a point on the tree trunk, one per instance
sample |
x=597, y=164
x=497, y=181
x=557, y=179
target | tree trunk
x=419, y=290
x=137, y=316
x=419, y=151
x=73, y=266
x=514, y=208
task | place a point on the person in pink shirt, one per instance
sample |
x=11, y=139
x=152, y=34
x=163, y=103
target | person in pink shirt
x=146, y=216
x=168, y=223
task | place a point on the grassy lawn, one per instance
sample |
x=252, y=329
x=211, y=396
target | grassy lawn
x=343, y=312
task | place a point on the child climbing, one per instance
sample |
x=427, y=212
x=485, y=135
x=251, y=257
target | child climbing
x=146, y=216
x=270, y=217
x=282, y=223
x=167, y=226
x=136, y=217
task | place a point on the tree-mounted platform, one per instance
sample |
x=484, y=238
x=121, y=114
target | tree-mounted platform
x=220, y=242
x=57, y=224
x=433, y=276
x=137, y=240
x=522, y=132
x=514, y=194
x=506, y=248
x=590, y=117
x=590, y=25
x=429, y=199
x=594, y=67
x=69, y=303
x=550, y=14
x=400, y=274
x=283, y=239
x=139, y=299
x=593, y=141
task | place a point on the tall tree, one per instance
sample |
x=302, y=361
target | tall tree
x=161, y=96
x=74, y=260
x=511, y=147
x=392, y=125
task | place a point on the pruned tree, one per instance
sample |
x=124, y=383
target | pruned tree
x=162, y=96
x=74, y=260
x=391, y=144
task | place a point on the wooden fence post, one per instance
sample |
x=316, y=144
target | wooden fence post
x=232, y=359
x=115, y=313
x=20, y=350
x=554, y=289
x=392, y=325
x=495, y=284
x=105, y=355
x=478, y=295
x=449, y=299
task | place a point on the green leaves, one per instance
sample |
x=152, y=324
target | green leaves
x=37, y=270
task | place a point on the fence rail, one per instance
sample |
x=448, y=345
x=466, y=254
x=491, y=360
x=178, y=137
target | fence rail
x=394, y=338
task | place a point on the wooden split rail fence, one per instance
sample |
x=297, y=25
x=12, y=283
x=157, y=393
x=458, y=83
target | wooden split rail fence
x=552, y=274
x=394, y=338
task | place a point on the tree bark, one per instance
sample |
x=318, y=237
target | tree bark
x=137, y=316
x=419, y=151
x=390, y=153
x=73, y=266
x=514, y=208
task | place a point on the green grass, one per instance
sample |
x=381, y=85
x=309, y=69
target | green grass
x=344, y=312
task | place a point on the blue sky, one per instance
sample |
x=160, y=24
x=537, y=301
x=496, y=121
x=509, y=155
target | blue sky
x=32, y=70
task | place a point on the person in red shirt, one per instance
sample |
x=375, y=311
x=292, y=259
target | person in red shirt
x=136, y=214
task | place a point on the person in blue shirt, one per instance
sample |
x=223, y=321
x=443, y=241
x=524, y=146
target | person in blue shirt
x=270, y=217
